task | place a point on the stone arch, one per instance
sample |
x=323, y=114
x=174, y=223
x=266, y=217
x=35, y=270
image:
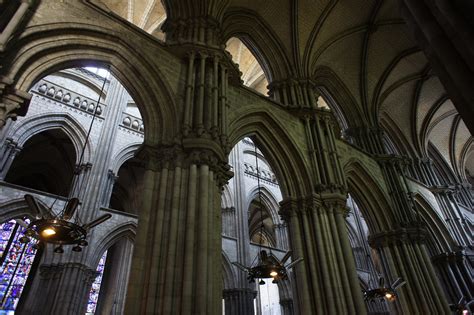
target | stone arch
x=41, y=51
x=21, y=132
x=260, y=39
x=278, y=148
x=228, y=274
x=127, y=229
x=227, y=200
x=338, y=96
x=15, y=208
x=267, y=199
x=441, y=238
x=367, y=192
x=124, y=155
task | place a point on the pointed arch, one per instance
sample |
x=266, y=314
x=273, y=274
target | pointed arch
x=367, y=192
x=126, y=229
x=32, y=125
x=261, y=40
x=279, y=149
x=41, y=51
x=228, y=273
x=124, y=155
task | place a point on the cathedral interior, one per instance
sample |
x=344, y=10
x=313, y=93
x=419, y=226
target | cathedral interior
x=204, y=140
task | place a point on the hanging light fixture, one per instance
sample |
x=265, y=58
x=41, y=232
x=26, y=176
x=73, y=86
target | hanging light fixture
x=63, y=228
x=265, y=265
x=389, y=293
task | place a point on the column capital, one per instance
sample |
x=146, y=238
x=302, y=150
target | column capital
x=170, y=156
x=13, y=102
x=414, y=233
x=227, y=293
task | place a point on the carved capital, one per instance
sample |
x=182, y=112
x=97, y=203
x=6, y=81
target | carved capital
x=415, y=234
x=13, y=102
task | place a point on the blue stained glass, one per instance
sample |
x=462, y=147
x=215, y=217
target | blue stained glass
x=95, y=289
x=17, y=260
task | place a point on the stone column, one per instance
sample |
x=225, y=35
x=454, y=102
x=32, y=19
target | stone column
x=115, y=279
x=14, y=22
x=74, y=279
x=403, y=254
x=10, y=150
x=327, y=279
x=229, y=222
x=239, y=301
x=287, y=307
x=177, y=263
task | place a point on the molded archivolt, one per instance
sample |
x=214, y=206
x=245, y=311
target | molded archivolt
x=252, y=73
x=282, y=152
x=261, y=40
x=127, y=229
x=16, y=208
x=441, y=240
x=124, y=155
x=366, y=191
x=228, y=273
x=28, y=127
x=66, y=45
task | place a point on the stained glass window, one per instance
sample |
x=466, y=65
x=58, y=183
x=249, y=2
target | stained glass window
x=95, y=290
x=16, y=261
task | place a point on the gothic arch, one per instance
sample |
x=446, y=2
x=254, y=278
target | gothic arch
x=39, y=52
x=124, y=155
x=15, y=208
x=338, y=96
x=277, y=146
x=366, y=190
x=228, y=274
x=127, y=229
x=439, y=233
x=267, y=199
x=21, y=132
x=260, y=39
x=227, y=198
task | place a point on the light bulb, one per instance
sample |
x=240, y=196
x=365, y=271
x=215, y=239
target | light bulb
x=273, y=273
x=389, y=296
x=48, y=232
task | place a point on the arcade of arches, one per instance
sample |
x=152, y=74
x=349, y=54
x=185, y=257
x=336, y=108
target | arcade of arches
x=360, y=117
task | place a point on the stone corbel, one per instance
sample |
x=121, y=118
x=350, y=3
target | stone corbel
x=13, y=103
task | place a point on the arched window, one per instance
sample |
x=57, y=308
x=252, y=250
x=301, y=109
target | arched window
x=16, y=261
x=95, y=289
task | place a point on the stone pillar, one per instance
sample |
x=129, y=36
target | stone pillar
x=239, y=301
x=326, y=280
x=281, y=235
x=401, y=249
x=115, y=279
x=287, y=307
x=92, y=190
x=176, y=267
x=9, y=151
x=109, y=187
x=455, y=272
x=17, y=16
x=74, y=279
x=229, y=222
x=403, y=254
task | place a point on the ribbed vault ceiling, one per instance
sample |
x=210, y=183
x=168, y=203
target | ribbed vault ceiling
x=364, y=45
